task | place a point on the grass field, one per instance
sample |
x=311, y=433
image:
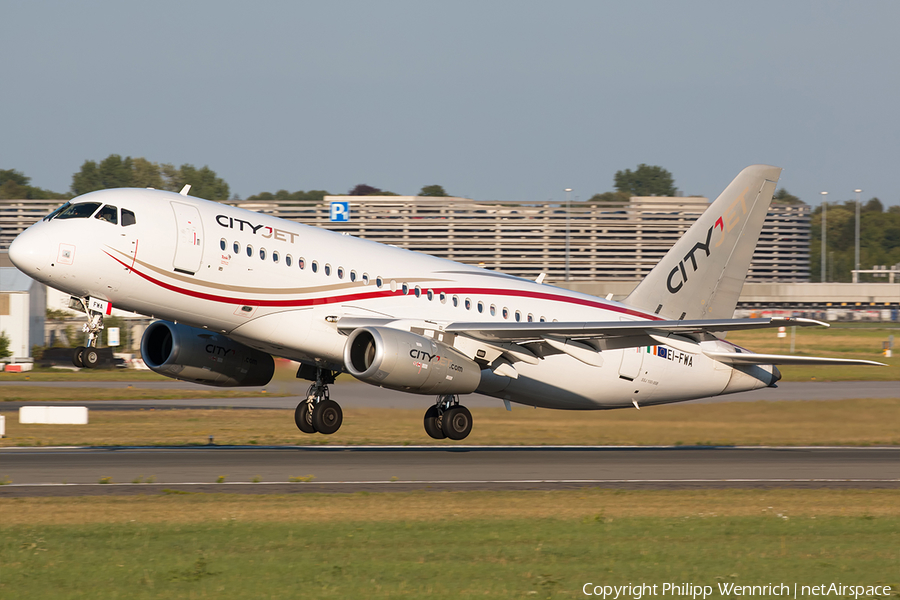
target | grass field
x=841, y=422
x=443, y=544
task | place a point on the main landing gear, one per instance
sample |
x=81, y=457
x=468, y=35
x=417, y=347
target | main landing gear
x=87, y=356
x=447, y=418
x=318, y=413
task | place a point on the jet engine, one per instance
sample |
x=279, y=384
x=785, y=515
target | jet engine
x=405, y=361
x=201, y=356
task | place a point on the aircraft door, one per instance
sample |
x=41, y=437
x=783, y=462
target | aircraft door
x=632, y=360
x=189, y=236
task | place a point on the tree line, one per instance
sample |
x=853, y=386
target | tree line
x=879, y=240
x=115, y=171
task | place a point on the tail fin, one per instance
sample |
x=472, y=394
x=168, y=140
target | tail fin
x=702, y=275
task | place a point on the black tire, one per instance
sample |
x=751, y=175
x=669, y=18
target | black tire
x=432, y=428
x=90, y=358
x=327, y=417
x=456, y=423
x=78, y=357
x=303, y=419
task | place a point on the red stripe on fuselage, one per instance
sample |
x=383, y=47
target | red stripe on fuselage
x=296, y=303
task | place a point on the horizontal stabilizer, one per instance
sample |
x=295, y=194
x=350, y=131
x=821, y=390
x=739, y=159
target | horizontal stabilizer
x=748, y=358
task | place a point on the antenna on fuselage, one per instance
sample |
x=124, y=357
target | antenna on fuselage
x=184, y=191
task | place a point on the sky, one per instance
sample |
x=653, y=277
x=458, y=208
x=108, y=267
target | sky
x=505, y=100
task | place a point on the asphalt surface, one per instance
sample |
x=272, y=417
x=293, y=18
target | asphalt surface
x=359, y=395
x=78, y=471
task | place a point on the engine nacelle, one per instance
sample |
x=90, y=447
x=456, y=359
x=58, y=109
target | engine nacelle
x=405, y=361
x=201, y=356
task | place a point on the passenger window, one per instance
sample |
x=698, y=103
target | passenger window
x=455, y=301
x=249, y=250
x=480, y=306
x=365, y=279
x=518, y=316
x=275, y=256
x=108, y=213
x=128, y=218
x=530, y=318
x=327, y=269
x=236, y=246
x=352, y=275
x=505, y=313
x=543, y=319
x=262, y=254
x=378, y=282
x=340, y=272
x=493, y=310
x=79, y=211
x=468, y=304
x=315, y=267
x=418, y=292
x=405, y=289
x=301, y=262
x=287, y=259
x=223, y=244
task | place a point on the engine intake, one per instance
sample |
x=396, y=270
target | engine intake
x=409, y=362
x=200, y=356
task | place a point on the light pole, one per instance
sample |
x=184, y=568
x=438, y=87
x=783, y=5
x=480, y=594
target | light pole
x=856, y=272
x=824, y=223
x=568, y=191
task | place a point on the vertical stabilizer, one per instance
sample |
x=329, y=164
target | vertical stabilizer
x=702, y=275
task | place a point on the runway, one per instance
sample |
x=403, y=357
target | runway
x=78, y=471
x=351, y=394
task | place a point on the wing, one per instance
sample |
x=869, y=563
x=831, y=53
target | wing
x=584, y=341
x=526, y=332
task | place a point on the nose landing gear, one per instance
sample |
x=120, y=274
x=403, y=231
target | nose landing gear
x=87, y=356
x=318, y=413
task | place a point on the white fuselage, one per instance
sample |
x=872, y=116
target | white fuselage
x=279, y=286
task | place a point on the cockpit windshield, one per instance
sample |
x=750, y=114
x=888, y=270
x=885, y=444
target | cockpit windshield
x=79, y=211
x=58, y=210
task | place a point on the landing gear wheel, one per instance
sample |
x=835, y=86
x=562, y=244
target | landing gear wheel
x=327, y=416
x=78, y=357
x=432, y=423
x=456, y=422
x=303, y=418
x=91, y=358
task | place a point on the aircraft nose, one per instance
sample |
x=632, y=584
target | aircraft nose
x=28, y=252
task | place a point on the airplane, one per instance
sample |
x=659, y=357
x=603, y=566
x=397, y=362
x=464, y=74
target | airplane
x=232, y=288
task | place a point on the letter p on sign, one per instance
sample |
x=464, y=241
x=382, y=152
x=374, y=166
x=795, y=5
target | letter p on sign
x=340, y=211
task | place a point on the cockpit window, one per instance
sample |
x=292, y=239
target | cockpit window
x=108, y=213
x=57, y=211
x=128, y=218
x=79, y=211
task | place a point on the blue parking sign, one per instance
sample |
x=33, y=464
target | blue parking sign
x=340, y=211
